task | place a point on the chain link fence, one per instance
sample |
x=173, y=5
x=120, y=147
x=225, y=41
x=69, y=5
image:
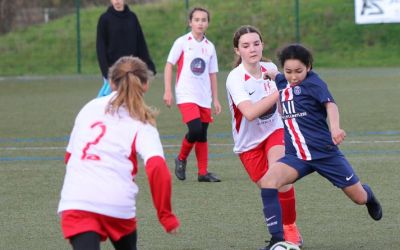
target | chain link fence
x=29, y=16
x=22, y=13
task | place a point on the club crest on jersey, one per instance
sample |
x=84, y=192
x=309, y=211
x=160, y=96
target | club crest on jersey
x=297, y=90
x=288, y=105
x=269, y=113
x=198, y=66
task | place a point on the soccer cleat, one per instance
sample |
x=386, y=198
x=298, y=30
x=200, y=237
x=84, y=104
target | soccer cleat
x=209, y=177
x=291, y=233
x=270, y=242
x=180, y=169
x=374, y=208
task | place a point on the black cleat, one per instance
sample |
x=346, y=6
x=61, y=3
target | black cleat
x=180, y=169
x=271, y=242
x=374, y=208
x=209, y=177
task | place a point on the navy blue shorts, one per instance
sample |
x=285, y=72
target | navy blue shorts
x=335, y=168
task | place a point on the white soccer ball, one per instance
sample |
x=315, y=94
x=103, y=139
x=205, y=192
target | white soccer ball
x=284, y=245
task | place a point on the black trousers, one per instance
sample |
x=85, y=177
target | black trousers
x=91, y=241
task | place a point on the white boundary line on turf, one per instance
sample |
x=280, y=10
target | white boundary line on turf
x=31, y=148
x=365, y=142
x=175, y=145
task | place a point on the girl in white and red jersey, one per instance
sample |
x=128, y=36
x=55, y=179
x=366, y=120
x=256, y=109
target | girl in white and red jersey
x=99, y=192
x=256, y=123
x=195, y=89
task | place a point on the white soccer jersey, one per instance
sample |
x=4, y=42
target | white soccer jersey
x=241, y=86
x=195, y=61
x=100, y=174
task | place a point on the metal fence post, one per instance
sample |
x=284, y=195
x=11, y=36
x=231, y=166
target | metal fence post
x=297, y=15
x=187, y=11
x=78, y=36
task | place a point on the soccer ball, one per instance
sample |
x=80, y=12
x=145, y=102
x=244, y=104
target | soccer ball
x=284, y=245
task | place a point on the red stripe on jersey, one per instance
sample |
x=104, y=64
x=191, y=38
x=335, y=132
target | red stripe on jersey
x=297, y=139
x=180, y=66
x=133, y=157
x=66, y=157
x=246, y=77
x=263, y=69
x=287, y=94
x=237, y=115
x=293, y=129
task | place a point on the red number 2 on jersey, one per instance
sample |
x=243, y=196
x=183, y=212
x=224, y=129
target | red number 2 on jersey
x=94, y=157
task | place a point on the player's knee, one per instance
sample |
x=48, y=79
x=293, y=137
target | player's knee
x=202, y=137
x=195, y=133
x=285, y=188
x=268, y=181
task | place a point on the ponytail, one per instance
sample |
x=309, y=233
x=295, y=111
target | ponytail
x=129, y=76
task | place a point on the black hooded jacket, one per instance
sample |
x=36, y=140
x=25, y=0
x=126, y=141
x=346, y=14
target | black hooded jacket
x=119, y=34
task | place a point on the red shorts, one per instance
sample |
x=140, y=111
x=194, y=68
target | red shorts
x=191, y=111
x=255, y=161
x=75, y=222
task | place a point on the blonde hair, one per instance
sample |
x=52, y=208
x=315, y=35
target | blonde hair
x=129, y=75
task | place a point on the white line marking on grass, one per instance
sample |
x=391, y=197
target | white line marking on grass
x=210, y=144
x=30, y=148
x=178, y=145
x=63, y=148
x=366, y=142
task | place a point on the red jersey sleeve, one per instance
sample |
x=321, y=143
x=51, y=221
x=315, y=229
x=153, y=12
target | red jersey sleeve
x=161, y=188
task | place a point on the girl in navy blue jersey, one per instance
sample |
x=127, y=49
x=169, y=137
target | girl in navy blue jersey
x=310, y=144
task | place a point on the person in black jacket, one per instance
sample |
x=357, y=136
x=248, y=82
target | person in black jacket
x=119, y=34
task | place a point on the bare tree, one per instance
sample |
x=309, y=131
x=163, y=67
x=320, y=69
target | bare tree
x=7, y=14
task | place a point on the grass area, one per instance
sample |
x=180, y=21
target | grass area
x=327, y=27
x=38, y=113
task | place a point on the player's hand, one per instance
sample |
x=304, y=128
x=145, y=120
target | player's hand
x=174, y=231
x=338, y=135
x=217, y=107
x=168, y=99
x=271, y=74
x=275, y=94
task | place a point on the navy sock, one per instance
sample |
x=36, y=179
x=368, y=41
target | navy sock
x=369, y=192
x=272, y=212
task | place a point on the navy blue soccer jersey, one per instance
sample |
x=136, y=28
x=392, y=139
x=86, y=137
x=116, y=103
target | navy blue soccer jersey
x=307, y=134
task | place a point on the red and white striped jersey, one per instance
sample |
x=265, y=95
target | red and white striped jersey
x=307, y=133
x=241, y=86
x=195, y=62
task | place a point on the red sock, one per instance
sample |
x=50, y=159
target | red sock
x=186, y=147
x=288, y=205
x=201, y=149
